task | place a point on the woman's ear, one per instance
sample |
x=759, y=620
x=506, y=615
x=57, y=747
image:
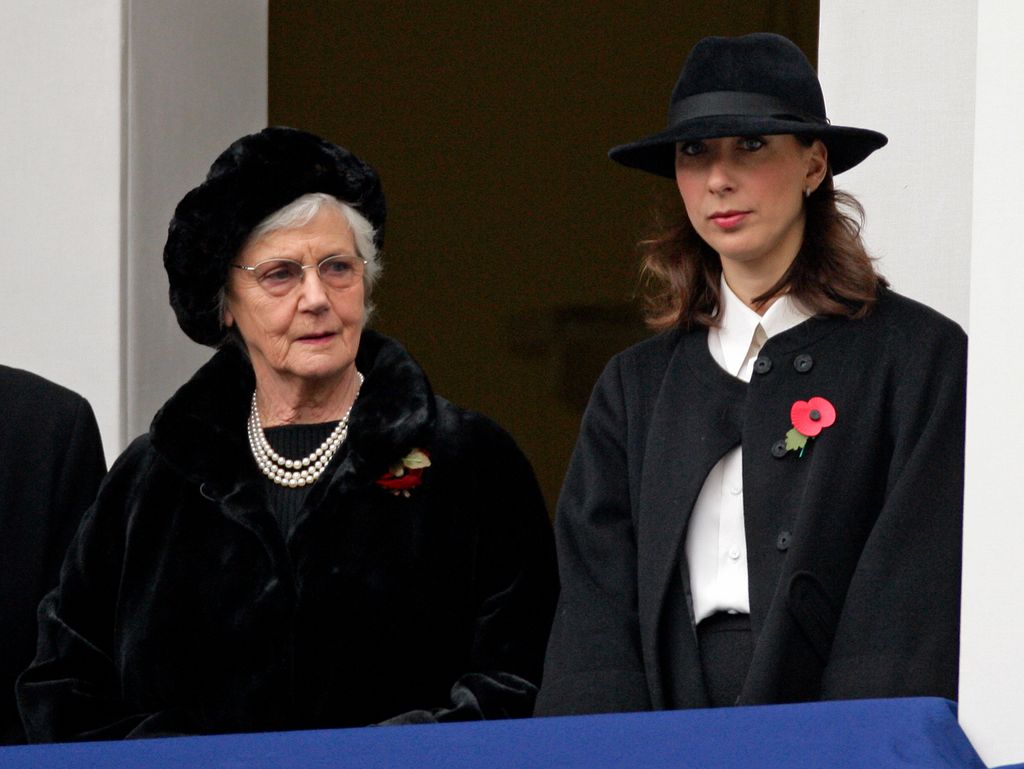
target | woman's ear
x=817, y=165
x=228, y=319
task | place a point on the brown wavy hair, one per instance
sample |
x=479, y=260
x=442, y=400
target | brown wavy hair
x=832, y=273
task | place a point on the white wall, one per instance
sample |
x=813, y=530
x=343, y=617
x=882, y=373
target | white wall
x=945, y=80
x=61, y=197
x=112, y=110
x=907, y=69
x=992, y=627
x=197, y=80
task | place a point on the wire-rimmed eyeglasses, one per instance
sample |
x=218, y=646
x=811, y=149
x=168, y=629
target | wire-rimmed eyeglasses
x=280, y=276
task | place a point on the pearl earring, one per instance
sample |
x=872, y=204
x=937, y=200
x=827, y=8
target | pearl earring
x=807, y=192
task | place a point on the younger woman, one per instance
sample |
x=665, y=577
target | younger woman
x=764, y=504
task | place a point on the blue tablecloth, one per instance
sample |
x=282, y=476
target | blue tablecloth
x=867, y=734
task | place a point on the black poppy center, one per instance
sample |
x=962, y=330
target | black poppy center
x=815, y=415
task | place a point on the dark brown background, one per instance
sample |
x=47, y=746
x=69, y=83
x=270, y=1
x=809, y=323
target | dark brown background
x=510, y=270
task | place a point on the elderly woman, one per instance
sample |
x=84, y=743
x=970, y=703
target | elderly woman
x=765, y=500
x=307, y=537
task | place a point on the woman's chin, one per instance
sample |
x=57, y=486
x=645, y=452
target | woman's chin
x=324, y=370
x=316, y=366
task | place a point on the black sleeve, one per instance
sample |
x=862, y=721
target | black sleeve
x=898, y=633
x=72, y=689
x=80, y=474
x=53, y=463
x=594, y=660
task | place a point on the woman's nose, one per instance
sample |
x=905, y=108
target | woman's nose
x=720, y=176
x=313, y=294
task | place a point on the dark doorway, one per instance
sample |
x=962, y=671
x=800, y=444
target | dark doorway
x=509, y=262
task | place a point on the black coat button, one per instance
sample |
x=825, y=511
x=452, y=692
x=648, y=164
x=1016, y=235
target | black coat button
x=762, y=365
x=779, y=449
x=803, y=363
x=782, y=543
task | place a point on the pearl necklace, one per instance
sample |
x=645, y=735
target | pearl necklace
x=295, y=473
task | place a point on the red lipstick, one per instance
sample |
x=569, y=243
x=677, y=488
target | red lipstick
x=728, y=220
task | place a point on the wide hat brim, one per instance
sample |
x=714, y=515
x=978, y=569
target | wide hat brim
x=753, y=85
x=655, y=154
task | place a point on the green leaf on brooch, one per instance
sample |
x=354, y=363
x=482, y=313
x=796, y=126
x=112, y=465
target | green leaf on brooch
x=416, y=459
x=795, y=440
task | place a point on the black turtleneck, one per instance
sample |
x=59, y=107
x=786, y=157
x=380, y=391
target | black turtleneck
x=291, y=442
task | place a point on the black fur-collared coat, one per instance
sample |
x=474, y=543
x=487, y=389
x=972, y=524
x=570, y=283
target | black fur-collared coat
x=51, y=463
x=183, y=609
x=853, y=548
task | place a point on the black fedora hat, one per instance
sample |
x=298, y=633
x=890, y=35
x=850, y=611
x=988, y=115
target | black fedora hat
x=254, y=177
x=752, y=85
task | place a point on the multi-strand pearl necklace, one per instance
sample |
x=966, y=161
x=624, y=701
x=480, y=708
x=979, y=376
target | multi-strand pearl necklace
x=295, y=473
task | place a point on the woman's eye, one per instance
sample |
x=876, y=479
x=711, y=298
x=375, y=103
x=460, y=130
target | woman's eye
x=279, y=273
x=336, y=267
x=751, y=143
x=691, y=148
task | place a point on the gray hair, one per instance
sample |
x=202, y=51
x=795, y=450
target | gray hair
x=301, y=212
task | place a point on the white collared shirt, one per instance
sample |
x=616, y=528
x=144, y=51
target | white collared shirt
x=716, y=544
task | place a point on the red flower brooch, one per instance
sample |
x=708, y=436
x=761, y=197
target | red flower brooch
x=809, y=418
x=405, y=474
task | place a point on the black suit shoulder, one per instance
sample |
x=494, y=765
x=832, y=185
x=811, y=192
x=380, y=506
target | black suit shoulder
x=51, y=464
x=31, y=401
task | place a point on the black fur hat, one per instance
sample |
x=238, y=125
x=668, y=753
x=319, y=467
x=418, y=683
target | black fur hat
x=254, y=177
x=747, y=86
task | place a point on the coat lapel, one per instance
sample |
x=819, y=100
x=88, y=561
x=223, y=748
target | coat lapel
x=696, y=419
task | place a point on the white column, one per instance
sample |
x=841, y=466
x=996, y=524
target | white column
x=112, y=110
x=61, y=198
x=907, y=69
x=197, y=80
x=992, y=624
x=945, y=80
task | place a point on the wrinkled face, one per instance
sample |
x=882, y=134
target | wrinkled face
x=311, y=333
x=745, y=194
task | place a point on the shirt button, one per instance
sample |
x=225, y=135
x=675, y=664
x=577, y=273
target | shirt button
x=734, y=553
x=782, y=543
x=736, y=491
x=779, y=449
x=803, y=363
x=762, y=365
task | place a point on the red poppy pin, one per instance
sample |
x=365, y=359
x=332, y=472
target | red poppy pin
x=809, y=418
x=405, y=474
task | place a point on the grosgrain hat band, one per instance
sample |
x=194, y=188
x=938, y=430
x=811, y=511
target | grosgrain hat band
x=718, y=103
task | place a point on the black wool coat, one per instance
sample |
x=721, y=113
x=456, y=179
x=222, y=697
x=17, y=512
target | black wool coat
x=853, y=548
x=182, y=608
x=51, y=463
